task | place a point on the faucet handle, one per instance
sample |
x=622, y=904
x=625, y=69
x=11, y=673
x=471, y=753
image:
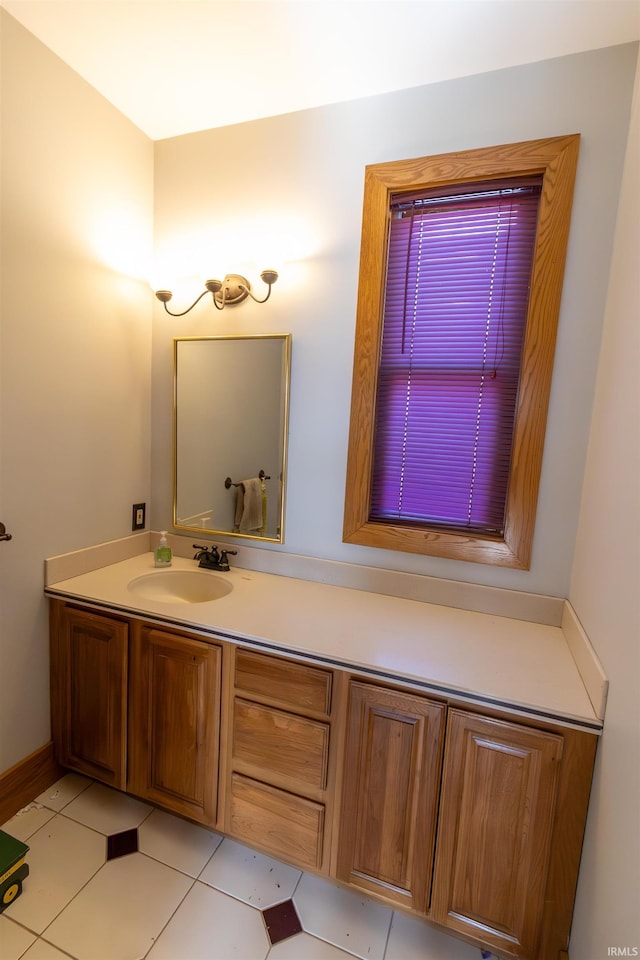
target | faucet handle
x=202, y=550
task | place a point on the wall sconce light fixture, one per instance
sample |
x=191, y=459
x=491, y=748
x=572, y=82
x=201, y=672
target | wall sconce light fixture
x=233, y=289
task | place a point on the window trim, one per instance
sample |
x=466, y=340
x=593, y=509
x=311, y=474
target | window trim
x=556, y=159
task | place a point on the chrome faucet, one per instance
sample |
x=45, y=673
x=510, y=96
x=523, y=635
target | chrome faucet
x=212, y=558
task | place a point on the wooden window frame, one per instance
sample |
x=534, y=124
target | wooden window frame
x=555, y=158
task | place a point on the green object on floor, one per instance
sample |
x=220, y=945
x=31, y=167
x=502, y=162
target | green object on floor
x=13, y=869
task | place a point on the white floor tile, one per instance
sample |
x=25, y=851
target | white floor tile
x=346, y=919
x=149, y=901
x=26, y=821
x=412, y=940
x=119, y=914
x=63, y=791
x=14, y=939
x=63, y=856
x=41, y=950
x=106, y=810
x=305, y=947
x=250, y=876
x=179, y=844
x=209, y=925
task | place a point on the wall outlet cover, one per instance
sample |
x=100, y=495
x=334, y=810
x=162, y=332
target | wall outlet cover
x=138, y=516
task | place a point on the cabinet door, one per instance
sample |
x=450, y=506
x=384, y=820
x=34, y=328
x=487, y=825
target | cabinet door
x=174, y=722
x=390, y=793
x=496, y=817
x=88, y=693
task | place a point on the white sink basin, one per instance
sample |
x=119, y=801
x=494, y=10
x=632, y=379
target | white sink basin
x=180, y=586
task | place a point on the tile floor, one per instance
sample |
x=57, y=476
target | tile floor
x=112, y=878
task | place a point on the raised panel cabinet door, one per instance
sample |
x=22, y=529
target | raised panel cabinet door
x=390, y=793
x=174, y=722
x=496, y=818
x=89, y=694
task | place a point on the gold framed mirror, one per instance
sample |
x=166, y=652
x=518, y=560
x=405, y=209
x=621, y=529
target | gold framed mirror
x=230, y=431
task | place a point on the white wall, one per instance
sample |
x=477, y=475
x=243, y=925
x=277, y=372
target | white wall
x=75, y=348
x=605, y=594
x=291, y=186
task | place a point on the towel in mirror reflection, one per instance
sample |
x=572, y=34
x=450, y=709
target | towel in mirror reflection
x=251, y=506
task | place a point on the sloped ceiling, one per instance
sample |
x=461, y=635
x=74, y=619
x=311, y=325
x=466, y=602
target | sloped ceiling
x=177, y=66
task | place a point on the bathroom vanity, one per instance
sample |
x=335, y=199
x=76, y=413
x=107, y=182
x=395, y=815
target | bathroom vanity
x=434, y=759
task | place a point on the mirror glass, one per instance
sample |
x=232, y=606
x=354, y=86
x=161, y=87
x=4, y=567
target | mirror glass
x=231, y=410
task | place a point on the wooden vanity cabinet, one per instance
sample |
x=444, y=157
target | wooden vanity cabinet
x=472, y=819
x=281, y=758
x=390, y=794
x=137, y=708
x=174, y=721
x=89, y=692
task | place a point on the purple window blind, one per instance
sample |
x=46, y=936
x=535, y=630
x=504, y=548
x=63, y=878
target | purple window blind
x=457, y=291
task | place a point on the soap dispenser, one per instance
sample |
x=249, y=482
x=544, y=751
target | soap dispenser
x=162, y=555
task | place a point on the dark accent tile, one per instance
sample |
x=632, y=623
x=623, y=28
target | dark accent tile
x=121, y=844
x=281, y=921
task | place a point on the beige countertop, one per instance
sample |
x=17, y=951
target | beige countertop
x=514, y=664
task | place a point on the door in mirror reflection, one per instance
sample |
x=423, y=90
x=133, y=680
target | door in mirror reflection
x=231, y=410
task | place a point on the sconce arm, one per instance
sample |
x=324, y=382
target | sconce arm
x=267, y=276
x=165, y=295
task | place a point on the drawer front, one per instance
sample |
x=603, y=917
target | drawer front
x=280, y=823
x=295, y=685
x=277, y=743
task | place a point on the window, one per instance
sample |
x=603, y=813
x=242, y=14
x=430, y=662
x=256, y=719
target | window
x=460, y=280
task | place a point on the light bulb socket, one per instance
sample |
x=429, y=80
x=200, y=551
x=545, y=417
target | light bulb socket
x=269, y=276
x=164, y=295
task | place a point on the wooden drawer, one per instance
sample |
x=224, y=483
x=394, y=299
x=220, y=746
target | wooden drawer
x=280, y=823
x=276, y=743
x=295, y=685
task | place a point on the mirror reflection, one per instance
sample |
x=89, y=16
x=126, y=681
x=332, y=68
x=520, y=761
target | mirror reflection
x=231, y=407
